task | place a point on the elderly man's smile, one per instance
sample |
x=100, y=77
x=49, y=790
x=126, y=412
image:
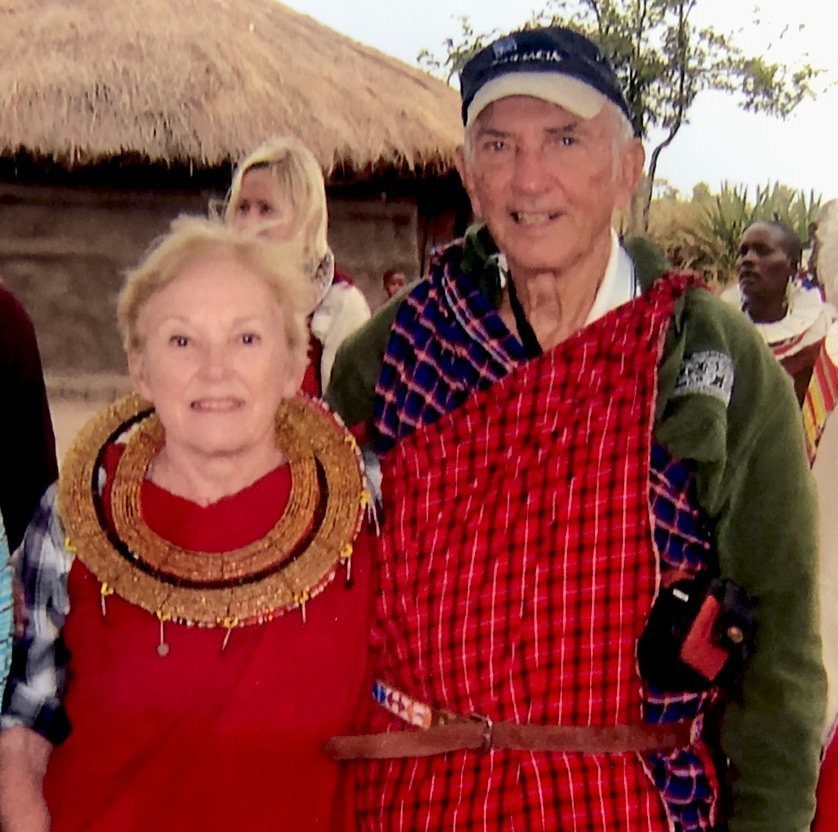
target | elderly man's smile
x=217, y=405
x=535, y=218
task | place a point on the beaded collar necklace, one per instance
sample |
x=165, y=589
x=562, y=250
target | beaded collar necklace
x=293, y=563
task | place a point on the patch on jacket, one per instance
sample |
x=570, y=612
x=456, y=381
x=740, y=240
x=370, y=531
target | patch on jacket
x=710, y=373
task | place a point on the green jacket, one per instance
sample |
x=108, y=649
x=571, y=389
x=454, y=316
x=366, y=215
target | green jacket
x=754, y=483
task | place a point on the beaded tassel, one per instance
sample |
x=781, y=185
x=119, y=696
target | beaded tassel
x=301, y=602
x=371, y=511
x=346, y=559
x=104, y=590
x=162, y=647
x=229, y=624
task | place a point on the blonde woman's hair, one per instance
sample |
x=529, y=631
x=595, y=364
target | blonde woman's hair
x=298, y=179
x=194, y=238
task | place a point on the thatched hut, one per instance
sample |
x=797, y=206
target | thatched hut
x=115, y=118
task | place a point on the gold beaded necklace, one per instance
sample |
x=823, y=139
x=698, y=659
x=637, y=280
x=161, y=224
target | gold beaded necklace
x=287, y=567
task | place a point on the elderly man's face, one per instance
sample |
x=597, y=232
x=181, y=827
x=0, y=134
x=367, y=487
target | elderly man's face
x=546, y=182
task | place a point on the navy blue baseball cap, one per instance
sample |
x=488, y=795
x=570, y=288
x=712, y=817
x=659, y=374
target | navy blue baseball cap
x=554, y=64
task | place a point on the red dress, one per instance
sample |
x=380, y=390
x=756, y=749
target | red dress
x=207, y=738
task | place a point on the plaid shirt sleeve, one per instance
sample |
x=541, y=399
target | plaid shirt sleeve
x=39, y=658
x=5, y=607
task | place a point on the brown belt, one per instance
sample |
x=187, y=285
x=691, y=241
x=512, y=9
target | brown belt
x=481, y=735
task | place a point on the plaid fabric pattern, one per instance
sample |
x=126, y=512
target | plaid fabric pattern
x=39, y=658
x=518, y=571
x=686, y=776
x=446, y=342
x=6, y=607
x=821, y=396
x=682, y=532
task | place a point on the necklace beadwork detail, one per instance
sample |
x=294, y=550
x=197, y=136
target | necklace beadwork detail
x=293, y=563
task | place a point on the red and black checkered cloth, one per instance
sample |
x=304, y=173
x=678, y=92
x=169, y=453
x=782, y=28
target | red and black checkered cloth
x=518, y=572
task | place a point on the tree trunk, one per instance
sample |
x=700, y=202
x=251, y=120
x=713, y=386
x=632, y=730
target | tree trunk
x=636, y=210
x=649, y=179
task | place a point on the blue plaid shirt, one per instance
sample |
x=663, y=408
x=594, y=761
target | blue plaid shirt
x=6, y=608
x=39, y=658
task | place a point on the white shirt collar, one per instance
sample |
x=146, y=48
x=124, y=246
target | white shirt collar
x=618, y=283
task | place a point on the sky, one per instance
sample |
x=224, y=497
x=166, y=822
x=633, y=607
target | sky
x=721, y=143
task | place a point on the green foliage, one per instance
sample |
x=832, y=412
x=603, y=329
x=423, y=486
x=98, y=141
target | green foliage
x=458, y=50
x=663, y=59
x=703, y=234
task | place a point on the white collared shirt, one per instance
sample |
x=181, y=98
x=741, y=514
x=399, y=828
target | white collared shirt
x=618, y=284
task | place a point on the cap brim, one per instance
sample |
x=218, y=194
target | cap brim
x=567, y=92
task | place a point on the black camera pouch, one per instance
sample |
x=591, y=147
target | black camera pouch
x=699, y=634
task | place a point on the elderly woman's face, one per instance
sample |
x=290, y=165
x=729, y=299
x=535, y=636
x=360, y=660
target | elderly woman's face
x=260, y=204
x=214, y=360
x=762, y=264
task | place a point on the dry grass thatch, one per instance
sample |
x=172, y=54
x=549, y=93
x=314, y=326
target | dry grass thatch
x=202, y=82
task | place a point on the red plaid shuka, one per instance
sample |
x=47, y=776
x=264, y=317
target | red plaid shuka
x=518, y=573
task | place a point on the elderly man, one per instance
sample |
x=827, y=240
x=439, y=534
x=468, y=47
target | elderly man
x=594, y=491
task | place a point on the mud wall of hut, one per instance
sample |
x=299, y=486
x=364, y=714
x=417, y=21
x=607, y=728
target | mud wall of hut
x=63, y=251
x=370, y=236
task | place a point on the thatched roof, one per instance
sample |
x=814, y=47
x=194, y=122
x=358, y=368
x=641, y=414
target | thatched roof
x=201, y=82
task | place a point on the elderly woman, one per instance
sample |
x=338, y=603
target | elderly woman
x=792, y=318
x=188, y=648
x=278, y=190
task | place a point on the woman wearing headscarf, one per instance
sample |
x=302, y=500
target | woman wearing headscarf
x=197, y=594
x=278, y=190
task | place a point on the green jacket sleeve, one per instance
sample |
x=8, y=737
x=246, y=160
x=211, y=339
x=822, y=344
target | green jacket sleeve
x=358, y=363
x=754, y=482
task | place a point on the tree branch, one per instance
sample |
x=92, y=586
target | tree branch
x=680, y=110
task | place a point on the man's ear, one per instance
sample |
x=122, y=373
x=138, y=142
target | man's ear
x=630, y=171
x=137, y=371
x=464, y=168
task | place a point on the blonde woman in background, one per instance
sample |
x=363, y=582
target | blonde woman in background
x=278, y=191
